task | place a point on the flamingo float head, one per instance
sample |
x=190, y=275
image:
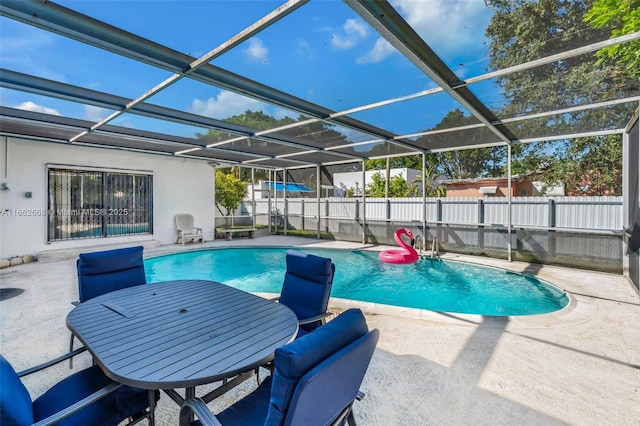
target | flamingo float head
x=406, y=232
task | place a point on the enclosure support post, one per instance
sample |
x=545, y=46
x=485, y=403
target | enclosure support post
x=509, y=203
x=364, y=203
x=424, y=200
x=269, y=203
x=318, y=200
x=215, y=203
x=285, y=208
x=253, y=197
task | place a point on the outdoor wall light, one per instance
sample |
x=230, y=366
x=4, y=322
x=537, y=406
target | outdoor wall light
x=5, y=186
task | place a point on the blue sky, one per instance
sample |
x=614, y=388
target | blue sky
x=323, y=53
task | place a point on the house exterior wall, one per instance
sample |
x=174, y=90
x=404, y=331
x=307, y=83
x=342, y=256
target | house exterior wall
x=472, y=189
x=521, y=188
x=179, y=186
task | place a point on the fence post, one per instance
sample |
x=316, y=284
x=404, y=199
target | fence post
x=302, y=213
x=552, y=213
x=388, y=214
x=480, y=223
x=552, y=224
x=439, y=219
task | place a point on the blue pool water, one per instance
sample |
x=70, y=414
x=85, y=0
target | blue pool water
x=435, y=285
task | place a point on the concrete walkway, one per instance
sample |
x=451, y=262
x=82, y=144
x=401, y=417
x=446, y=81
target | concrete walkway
x=580, y=366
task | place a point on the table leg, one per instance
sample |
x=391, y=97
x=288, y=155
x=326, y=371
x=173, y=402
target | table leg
x=152, y=407
x=190, y=393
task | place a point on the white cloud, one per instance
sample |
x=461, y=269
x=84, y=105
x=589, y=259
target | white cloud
x=448, y=26
x=352, y=32
x=380, y=51
x=31, y=106
x=451, y=27
x=303, y=49
x=256, y=52
x=353, y=26
x=94, y=113
x=280, y=113
x=226, y=104
x=17, y=48
x=29, y=53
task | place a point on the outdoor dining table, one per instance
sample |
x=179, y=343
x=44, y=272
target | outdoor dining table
x=182, y=334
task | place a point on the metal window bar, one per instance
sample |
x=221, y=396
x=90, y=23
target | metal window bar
x=92, y=204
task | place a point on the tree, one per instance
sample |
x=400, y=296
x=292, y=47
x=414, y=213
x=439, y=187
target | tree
x=317, y=133
x=432, y=187
x=398, y=187
x=230, y=191
x=588, y=166
x=623, y=17
x=524, y=30
x=408, y=162
x=468, y=163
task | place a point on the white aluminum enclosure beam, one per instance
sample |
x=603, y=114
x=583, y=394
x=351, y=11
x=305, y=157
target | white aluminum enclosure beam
x=69, y=23
x=393, y=28
x=505, y=71
x=265, y=22
x=32, y=84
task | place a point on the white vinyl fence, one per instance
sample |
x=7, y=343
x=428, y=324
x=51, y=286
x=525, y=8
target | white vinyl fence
x=595, y=213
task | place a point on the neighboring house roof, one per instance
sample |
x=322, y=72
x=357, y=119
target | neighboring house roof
x=514, y=178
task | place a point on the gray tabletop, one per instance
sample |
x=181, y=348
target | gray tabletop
x=180, y=334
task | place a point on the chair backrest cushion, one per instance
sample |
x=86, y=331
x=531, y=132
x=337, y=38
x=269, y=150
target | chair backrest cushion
x=105, y=271
x=332, y=386
x=296, y=359
x=16, y=407
x=184, y=222
x=307, y=285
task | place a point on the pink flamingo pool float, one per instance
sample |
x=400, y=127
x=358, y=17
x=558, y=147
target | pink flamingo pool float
x=406, y=255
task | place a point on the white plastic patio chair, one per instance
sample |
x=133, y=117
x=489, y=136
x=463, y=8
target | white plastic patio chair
x=186, y=228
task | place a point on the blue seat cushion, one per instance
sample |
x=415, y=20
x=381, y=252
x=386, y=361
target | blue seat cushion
x=110, y=410
x=250, y=410
x=111, y=270
x=15, y=401
x=297, y=358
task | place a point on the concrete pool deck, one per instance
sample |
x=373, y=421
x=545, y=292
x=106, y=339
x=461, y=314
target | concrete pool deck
x=578, y=366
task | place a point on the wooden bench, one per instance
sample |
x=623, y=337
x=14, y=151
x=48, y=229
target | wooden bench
x=228, y=233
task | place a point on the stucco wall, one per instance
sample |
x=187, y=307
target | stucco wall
x=179, y=185
x=472, y=189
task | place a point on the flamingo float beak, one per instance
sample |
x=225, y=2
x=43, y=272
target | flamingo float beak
x=413, y=242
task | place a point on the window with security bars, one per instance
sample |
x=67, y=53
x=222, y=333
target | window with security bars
x=95, y=204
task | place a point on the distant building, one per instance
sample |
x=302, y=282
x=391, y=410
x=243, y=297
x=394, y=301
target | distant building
x=498, y=187
x=342, y=182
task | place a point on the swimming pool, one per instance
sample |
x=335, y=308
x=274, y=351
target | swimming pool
x=435, y=285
